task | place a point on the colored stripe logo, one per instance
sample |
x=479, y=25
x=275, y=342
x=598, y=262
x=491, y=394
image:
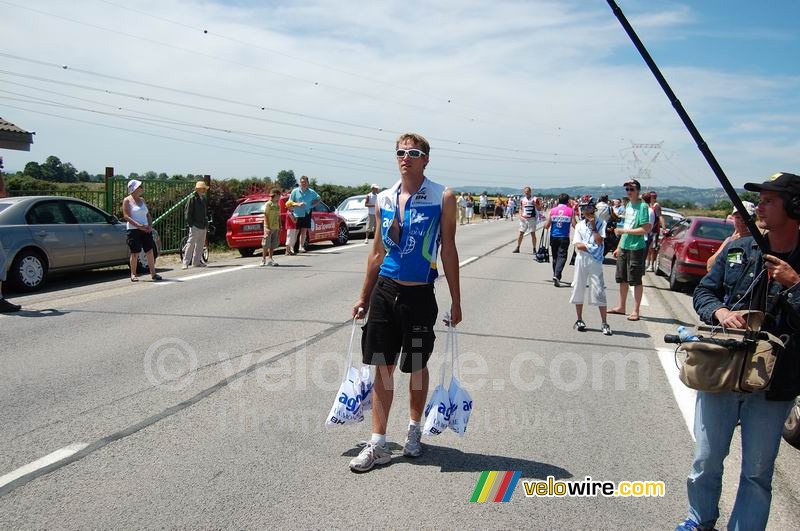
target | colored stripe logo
x=495, y=486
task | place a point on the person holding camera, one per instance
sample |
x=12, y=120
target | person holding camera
x=745, y=277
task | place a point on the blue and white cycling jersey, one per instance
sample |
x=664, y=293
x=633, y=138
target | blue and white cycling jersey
x=413, y=257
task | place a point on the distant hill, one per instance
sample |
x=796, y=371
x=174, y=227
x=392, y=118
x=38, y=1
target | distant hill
x=680, y=194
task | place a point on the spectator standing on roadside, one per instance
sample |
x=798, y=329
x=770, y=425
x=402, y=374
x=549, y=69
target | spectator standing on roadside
x=398, y=292
x=630, y=253
x=291, y=228
x=527, y=218
x=744, y=277
x=559, y=220
x=272, y=228
x=498, y=207
x=140, y=229
x=470, y=208
x=589, y=234
x=655, y=233
x=462, y=207
x=740, y=230
x=603, y=209
x=483, y=204
x=196, y=213
x=5, y=305
x=305, y=199
x=369, y=202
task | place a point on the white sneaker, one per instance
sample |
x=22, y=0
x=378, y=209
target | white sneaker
x=371, y=455
x=271, y=263
x=184, y=266
x=263, y=262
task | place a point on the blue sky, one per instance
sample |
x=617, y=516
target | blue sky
x=509, y=93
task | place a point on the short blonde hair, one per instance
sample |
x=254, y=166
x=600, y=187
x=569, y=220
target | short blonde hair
x=418, y=139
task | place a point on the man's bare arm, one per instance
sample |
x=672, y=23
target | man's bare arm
x=450, y=255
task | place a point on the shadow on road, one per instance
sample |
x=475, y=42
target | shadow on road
x=49, y=312
x=452, y=460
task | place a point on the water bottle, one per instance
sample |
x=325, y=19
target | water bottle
x=683, y=333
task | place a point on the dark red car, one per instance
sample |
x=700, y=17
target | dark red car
x=245, y=228
x=687, y=246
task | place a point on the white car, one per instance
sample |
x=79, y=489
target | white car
x=354, y=212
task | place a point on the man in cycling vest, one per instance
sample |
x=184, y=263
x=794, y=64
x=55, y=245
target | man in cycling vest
x=560, y=220
x=527, y=218
x=414, y=217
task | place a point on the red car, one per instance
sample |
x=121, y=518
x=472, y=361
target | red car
x=687, y=246
x=245, y=228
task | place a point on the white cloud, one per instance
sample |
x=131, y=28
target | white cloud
x=543, y=78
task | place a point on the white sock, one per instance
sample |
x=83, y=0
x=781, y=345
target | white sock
x=379, y=439
x=413, y=423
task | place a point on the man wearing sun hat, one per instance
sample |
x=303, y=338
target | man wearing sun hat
x=369, y=202
x=197, y=221
x=746, y=276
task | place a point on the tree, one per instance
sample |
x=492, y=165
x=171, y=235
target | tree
x=286, y=179
x=163, y=176
x=83, y=177
x=33, y=170
x=749, y=196
x=53, y=170
x=133, y=175
x=69, y=172
x=150, y=175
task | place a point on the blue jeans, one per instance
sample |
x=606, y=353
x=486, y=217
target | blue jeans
x=715, y=419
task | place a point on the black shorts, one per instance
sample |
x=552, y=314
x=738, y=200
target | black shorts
x=401, y=320
x=630, y=266
x=304, y=222
x=139, y=240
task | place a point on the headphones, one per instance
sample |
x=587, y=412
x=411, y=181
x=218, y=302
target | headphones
x=791, y=203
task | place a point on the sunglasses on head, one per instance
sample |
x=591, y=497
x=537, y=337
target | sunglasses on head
x=413, y=153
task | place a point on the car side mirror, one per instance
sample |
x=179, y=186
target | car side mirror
x=113, y=220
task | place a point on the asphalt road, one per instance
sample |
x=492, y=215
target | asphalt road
x=200, y=402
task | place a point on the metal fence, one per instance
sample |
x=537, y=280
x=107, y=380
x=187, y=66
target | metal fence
x=165, y=200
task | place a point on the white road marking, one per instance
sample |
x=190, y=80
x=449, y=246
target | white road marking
x=684, y=396
x=351, y=245
x=55, y=457
x=467, y=261
x=204, y=275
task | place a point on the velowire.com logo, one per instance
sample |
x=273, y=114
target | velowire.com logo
x=495, y=486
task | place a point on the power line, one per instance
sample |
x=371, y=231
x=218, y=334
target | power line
x=118, y=32
x=472, y=153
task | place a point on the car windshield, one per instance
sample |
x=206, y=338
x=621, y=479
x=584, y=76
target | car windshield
x=353, y=203
x=713, y=230
x=248, y=209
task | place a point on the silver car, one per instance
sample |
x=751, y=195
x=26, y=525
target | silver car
x=354, y=212
x=51, y=234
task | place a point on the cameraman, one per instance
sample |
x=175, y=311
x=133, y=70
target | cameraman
x=739, y=271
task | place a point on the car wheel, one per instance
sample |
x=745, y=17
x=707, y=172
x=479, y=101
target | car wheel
x=29, y=270
x=246, y=251
x=674, y=284
x=343, y=236
x=791, y=430
x=659, y=273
